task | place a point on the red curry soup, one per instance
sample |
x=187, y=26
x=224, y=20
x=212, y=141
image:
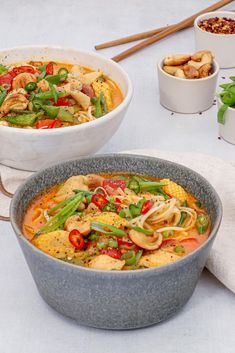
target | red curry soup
x=39, y=95
x=116, y=221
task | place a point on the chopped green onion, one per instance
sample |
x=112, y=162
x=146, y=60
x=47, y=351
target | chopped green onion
x=125, y=213
x=63, y=71
x=102, y=228
x=134, y=210
x=56, y=79
x=31, y=86
x=179, y=249
x=110, y=207
x=143, y=230
x=2, y=97
x=134, y=186
x=24, y=119
x=182, y=219
x=94, y=236
x=129, y=257
x=202, y=223
x=167, y=233
x=101, y=245
x=2, y=69
x=103, y=103
x=112, y=243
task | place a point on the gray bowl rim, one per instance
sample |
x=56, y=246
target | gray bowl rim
x=127, y=273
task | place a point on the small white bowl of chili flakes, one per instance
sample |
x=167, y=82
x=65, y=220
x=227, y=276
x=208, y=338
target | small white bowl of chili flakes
x=215, y=31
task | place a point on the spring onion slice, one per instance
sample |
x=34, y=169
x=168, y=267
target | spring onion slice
x=102, y=228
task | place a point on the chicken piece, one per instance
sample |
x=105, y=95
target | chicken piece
x=91, y=77
x=56, y=244
x=205, y=70
x=105, y=262
x=74, y=222
x=190, y=72
x=94, y=181
x=158, y=258
x=81, y=98
x=101, y=86
x=16, y=101
x=176, y=59
x=21, y=80
x=174, y=190
x=171, y=70
x=180, y=73
x=107, y=217
x=74, y=182
x=43, y=85
x=76, y=71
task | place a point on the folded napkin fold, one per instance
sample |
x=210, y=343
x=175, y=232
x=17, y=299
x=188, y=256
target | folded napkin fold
x=220, y=173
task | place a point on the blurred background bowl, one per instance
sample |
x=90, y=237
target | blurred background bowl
x=32, y=149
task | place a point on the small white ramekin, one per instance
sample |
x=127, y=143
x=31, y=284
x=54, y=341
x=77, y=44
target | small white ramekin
x=222, y=45
x=187, y=95
x=227, y=130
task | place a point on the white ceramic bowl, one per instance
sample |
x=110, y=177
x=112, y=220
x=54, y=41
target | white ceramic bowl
x=227, y=130
x=221, y=45
x=187, y=95
x=31, y=149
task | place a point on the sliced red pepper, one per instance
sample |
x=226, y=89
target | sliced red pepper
x=48, y=124
x=115, y=253
x=99, y=200
x=76, y=239
x=50, y=68
x=63, y=102
x=127, y=243
x=110, y=185
x=169, y=242
x=20, y=69
x=146, y=206
x=6, y=79
x=88, y=90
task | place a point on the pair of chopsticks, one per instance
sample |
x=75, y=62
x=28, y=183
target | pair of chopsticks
x=156, y=34
x=6, y=193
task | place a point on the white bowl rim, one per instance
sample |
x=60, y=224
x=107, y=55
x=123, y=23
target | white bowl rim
x=189, y=79
x=68, y=129
x=198, y=18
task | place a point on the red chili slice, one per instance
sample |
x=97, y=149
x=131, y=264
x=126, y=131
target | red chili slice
x=63, y=102
x=127, y=243
x=146, y=206
x=48, y=124
x=21, y=69
x=76, y=239
x=115, y=253
x=113, y=184
x=50, y=68
x=6, y=79
x=99, y=200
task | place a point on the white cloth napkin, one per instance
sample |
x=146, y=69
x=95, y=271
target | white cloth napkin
x=221, y=175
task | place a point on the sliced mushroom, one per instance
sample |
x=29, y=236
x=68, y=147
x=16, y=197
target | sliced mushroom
x=74, y=222
x=180, y=73
x=147, y=242
x=21, y=80
x=205, y=70
x=176, y=59
x=190, y=71
x=16, y=101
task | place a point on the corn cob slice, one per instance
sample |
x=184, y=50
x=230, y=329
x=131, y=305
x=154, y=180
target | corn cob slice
x=174, y=190
x=101, y=86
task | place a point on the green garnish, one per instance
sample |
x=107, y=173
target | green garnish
x=107, y=229
x=202, y=223
x=58, y=220
x=179, y=249
x=31, y=86
x=129, y=257
x=93, y=236
x=2, y=69
x=143, y=230
x=227, y=97
x=112, y=243
x=24, y=119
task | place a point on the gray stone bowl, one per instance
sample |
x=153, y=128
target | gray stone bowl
x=115, y=299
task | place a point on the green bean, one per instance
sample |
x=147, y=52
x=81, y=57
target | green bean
x=103, y=103
x=24, y=119
x=2, y=97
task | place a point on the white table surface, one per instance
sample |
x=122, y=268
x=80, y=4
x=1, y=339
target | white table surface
x=27, y=324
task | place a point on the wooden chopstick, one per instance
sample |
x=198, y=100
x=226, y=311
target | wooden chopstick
x=135, y=37
x=167, y=31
